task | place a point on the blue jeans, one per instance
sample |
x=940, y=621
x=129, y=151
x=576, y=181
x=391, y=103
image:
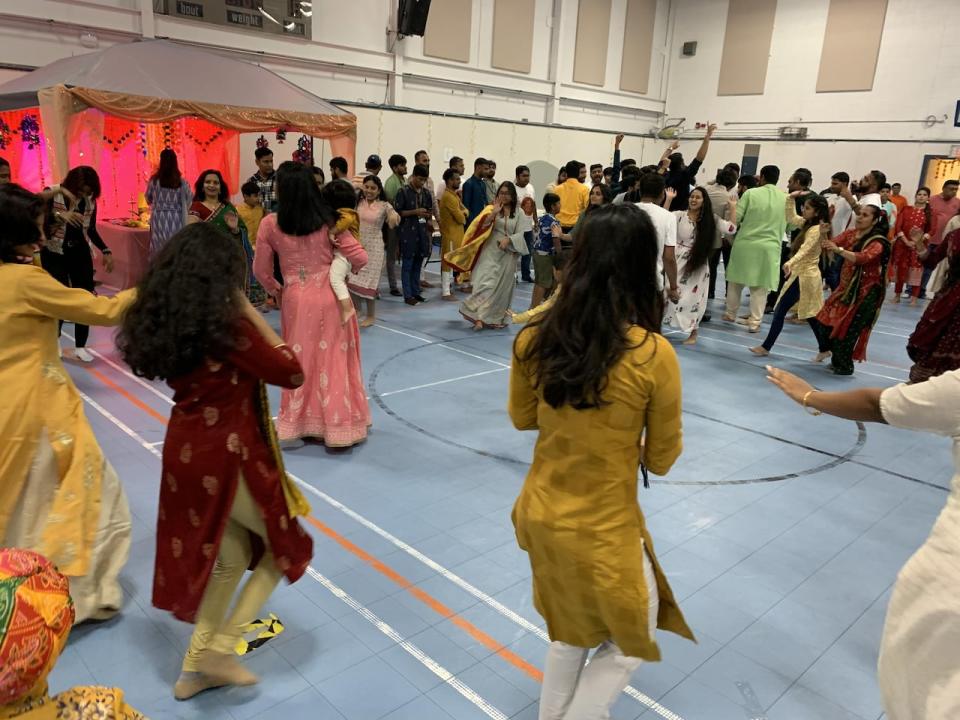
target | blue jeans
x=790, y=298
x=525, y=260
x=410, y=274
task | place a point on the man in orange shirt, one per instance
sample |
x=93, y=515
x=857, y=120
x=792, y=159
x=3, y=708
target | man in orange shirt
x=574, y=197
x=897, y=199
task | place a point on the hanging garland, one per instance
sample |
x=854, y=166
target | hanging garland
x=6, y=134
x=117, y=143
x=205, y=144
x=262, y=142
x=30, y=131
x=281, y=136
x=304, y=152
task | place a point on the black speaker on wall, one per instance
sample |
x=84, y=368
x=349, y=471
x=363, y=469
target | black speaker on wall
x=412, y=17
x=689, y=49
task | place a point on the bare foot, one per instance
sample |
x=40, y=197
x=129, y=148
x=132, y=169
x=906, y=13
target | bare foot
x=727, y=317
x=895, y=299
x=692, y=339
x=821, y=356
x=477, y=326
x=913, y=302
x=760, y=350
x=367, y=322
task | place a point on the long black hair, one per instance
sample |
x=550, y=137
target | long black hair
x=19, y=211
x=706, y=231
x=605, y=192
x=300, y=207
x=187, y=306
x=198, y=193
x=168, y=171
x=512, y=189
x=584, y=335
x=821, y=214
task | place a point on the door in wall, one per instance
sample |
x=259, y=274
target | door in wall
x=936, y=170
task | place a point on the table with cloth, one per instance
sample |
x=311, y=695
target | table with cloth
x=131, y=253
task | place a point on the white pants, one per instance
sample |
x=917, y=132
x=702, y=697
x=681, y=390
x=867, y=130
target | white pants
x=758, y=301
x=574, y=692
x=339, y=272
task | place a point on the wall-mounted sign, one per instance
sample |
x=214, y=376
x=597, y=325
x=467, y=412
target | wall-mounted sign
x=278, y=17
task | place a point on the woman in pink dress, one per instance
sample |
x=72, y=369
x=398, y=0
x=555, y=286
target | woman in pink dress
x=331, y=405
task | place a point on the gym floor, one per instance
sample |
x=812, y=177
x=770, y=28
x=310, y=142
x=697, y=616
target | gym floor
x=781, y=534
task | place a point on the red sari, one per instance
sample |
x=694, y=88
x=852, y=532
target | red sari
x=934, y=346
x=856, y=295
x=220, y=427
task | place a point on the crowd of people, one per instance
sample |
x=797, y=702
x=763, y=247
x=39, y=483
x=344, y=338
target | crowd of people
x=614, y=254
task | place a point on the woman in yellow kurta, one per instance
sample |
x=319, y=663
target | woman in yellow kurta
x=58, y=495
x=603, y=389
x=804, y=284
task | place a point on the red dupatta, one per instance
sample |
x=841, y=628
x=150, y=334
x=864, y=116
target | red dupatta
x=464, y=258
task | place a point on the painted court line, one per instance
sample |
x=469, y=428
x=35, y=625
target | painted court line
x=445, y=347
x=119, y=368
x=427, y=599
x=441, y=382
x=466, y=586
x=428, y=662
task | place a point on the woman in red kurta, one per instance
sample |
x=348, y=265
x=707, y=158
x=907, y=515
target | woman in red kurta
x=226, y=503
x=850, y=313
x=905, y=266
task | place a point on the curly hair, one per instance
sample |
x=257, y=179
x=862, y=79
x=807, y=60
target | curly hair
x=187, y=305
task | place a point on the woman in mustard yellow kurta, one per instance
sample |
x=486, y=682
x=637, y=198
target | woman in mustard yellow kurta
x=603, y=390
x=58, y=495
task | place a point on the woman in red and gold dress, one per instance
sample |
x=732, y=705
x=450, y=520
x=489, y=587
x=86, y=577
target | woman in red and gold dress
x=849, y=314
x=226, y=503
x=905, y=266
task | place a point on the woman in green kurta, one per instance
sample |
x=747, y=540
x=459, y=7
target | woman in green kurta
x=603, y=390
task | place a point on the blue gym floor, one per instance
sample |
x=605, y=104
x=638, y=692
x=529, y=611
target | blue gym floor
x=781, y=534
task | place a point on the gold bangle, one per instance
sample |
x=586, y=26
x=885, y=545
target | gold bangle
x=808, y=408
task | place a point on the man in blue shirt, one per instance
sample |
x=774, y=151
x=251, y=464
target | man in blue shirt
x=546, y=248
x=475, y=190
x=414, y=203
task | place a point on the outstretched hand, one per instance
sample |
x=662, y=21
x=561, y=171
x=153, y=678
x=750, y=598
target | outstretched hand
x=792, y=386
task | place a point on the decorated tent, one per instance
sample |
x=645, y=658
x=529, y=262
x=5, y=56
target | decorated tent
x=117, y=108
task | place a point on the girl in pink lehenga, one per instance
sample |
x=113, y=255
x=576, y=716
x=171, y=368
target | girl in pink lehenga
x=331, y=405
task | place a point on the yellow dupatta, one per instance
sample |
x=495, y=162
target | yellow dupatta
x=464, y=258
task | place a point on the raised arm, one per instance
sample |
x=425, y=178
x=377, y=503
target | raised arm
x=809, y=249
x=862, y=405
x=790, y=210
x=705, y=145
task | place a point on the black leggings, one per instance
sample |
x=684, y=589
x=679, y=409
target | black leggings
x=790, y=297
x=74, y=268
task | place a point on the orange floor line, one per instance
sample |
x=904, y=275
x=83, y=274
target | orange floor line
x=438, y=607
x=135, y=400
x=431, y=602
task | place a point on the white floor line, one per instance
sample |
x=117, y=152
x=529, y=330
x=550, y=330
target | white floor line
x=441, y=382
x=428, y=662
x=772, y=358
x=140, y=381
x=413, y=552
x=466, y=586
x=445, y=347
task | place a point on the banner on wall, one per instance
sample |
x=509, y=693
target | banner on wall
x=275, y=17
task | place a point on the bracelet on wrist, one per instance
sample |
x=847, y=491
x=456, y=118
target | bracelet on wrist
x=809, y=408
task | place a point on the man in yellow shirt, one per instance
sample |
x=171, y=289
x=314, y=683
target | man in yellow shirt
x=453, y=214
x=574, y=197
x=251, y=210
